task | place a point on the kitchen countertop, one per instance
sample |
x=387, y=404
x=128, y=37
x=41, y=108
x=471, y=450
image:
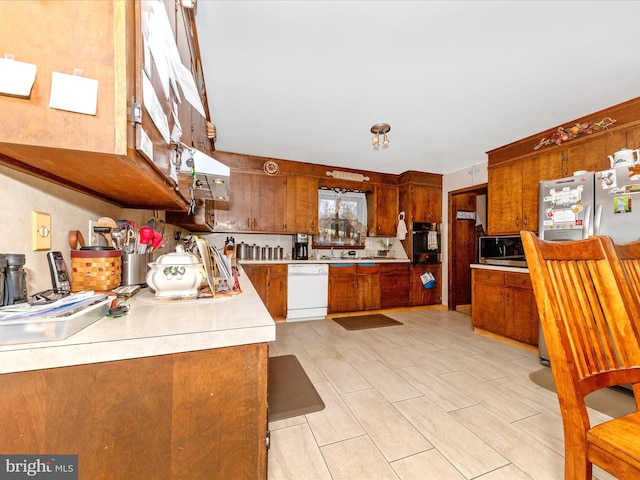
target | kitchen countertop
x=152, y=327
x=500, y=267
x=326, y=260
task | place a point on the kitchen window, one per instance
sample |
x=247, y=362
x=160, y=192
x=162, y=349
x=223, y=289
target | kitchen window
x=342, y=218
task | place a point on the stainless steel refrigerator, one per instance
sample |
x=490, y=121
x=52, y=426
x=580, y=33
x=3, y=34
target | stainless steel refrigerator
x=617, y=204
x=600, y=203
x=566, y=208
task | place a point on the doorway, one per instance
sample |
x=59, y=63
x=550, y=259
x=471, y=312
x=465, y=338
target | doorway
x=464, y=207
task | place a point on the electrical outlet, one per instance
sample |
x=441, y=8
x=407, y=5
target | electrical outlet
x=41, y=231
x=368, y=244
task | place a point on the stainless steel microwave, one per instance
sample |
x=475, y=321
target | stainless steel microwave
x=503, y=250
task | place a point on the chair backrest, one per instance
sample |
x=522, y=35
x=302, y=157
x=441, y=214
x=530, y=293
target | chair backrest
x=629, y=256
x=587, y=325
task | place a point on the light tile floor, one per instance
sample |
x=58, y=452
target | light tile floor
x=429, y=399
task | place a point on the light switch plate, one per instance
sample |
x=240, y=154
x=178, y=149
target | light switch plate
x=41, y=231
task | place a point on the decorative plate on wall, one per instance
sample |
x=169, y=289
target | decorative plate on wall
x=270, y=167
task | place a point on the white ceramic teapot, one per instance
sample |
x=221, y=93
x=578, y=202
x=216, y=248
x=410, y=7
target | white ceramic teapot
x=624, y=157
x=177, y=274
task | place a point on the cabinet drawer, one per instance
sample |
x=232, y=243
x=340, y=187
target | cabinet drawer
x=278, y=270
x=342, y=269
x=488, y=276
x=519, y=280
x=364, y=269
x=395, y=268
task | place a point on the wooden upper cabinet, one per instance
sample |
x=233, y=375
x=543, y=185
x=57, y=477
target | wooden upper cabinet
x=504, y=206
x=426, y=203
x=94, y=154
x=382, y=211
x=563, y=161
x=256, y=204
x=273, y=198
x=302, y=205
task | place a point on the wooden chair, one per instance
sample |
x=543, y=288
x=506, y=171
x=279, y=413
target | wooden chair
x=628, y=256
x=592, y=344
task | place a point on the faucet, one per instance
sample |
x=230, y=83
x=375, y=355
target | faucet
x=331, y=252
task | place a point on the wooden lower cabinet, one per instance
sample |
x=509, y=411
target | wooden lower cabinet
x=196, y=415
x=354, y=287
x=394, y=285
x=368, y=286
x=270, y=281
x=503, y=303
x=426, y=296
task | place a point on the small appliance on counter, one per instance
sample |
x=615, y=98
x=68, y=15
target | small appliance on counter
x=301, y=247
x=3, y=266
x=15, y=279
x=502, y=250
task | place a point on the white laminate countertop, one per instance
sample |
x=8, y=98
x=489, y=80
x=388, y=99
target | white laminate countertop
x=501, y=268
x=152, y=327
x=325, y=261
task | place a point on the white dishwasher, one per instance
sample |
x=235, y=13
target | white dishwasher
x=307, y=291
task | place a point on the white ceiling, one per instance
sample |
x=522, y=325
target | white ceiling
x=306, y=80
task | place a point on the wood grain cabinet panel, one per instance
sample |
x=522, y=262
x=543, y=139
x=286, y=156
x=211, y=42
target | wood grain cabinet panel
x=515, y=170
x=343, y=290
x=256, y=204
x=302, y=205
x=395, y=285
x=354, y=288
x=426, y=296
x=270, y=281
x=503, y=303
x=487, y=303
x=382, y=211
x=505, y=191
x=190, y=415
x=368, y=286
x=94, y=154
x=426, y=204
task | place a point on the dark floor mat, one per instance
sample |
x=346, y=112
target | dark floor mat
x=290, y=391
x=360, y=322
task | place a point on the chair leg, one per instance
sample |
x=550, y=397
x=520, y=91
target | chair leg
x=576, y=465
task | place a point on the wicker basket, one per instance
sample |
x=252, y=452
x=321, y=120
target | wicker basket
x=95, y=269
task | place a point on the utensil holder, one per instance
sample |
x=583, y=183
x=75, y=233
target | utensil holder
x=135, y=267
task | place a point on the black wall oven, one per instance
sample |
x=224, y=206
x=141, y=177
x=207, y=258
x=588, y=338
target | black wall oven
x=426, y=242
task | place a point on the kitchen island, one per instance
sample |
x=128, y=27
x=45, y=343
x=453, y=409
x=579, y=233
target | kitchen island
x=171, y=390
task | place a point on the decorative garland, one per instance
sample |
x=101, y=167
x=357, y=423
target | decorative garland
x=569, y=133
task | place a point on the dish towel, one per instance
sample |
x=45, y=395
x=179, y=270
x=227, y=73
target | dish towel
x=432, y=241
x=401, y=233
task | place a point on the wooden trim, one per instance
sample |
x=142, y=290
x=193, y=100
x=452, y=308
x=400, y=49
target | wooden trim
x=625, y=114
x=253, y=163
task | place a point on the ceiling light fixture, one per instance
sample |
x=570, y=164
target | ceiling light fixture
x=377, y=130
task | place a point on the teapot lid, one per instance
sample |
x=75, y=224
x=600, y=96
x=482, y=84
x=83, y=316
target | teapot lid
x=179, y=257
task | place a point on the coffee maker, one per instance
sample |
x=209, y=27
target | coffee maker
x=301, y=247
x=15, y=279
